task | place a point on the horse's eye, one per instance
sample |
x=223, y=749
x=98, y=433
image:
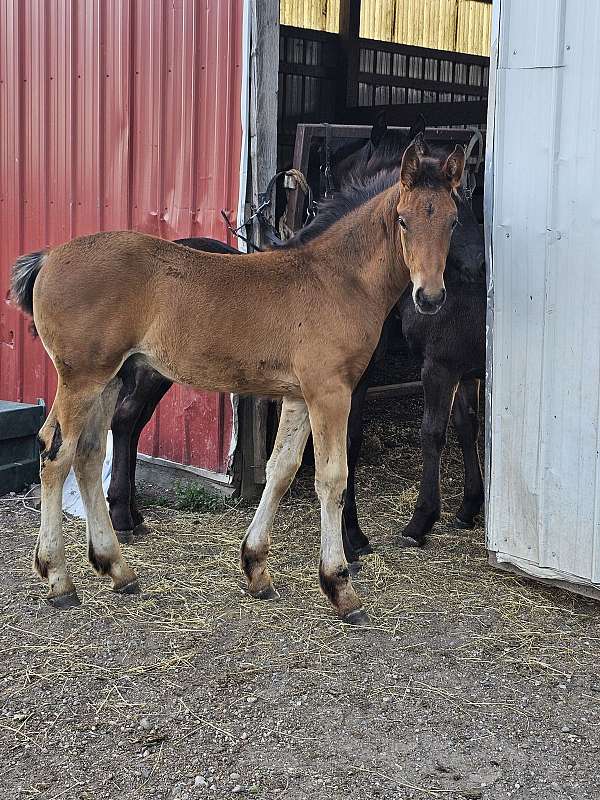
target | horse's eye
x=402, y=223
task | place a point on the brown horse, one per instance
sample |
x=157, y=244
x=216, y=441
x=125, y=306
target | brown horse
x=301, y=324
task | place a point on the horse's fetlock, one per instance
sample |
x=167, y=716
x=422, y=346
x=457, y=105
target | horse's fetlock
x=101, y=563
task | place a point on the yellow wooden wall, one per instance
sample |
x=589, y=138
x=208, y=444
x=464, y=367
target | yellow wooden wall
x=461, y=25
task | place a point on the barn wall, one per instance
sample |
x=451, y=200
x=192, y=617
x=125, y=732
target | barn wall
x=457, y=25
x=117, y=114
x=544, y=406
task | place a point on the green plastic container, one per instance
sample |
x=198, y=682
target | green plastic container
x=19, y=451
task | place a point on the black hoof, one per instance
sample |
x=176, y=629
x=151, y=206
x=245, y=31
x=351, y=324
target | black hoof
x=65, y=601
x=141, y=530
x=129, y=588
x=354, y=567
x=269, y=593
x=358, y=617
x=463, y=524
x=365, y=550
x=408, y=541
x=125, y=537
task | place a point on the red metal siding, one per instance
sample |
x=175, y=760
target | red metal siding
x=117, y=114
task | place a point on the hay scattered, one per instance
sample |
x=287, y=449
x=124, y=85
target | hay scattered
x=192, y=585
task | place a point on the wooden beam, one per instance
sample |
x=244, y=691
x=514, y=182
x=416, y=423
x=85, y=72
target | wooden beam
x=264, y=54
x=436, y=114
x=349, y=31
x=264, y=81
x=409, y=389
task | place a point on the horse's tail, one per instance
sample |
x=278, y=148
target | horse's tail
x=24, y=272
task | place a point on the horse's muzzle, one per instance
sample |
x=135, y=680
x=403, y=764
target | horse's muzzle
x=429, y=303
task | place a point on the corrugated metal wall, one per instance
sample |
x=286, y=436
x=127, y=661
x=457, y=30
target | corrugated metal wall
x=117, y=114
x=544, y=463
x=457, y=25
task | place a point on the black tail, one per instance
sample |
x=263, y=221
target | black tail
x=24, y=273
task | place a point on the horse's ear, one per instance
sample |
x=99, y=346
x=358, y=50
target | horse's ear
x=379, y=128
x=454, y=165
x=421, y=145
x=411, y=165
x=417, y=127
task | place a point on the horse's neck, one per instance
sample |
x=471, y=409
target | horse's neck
x=359, y=250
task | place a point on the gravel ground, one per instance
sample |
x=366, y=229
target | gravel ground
x=470, y=683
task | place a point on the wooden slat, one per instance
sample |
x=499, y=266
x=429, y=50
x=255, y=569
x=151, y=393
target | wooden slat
x=289, y=31
x=408, y=389
x=401, y=81
x=311, y=70
x=423, y=52
x=263, y=156
x=455, y=113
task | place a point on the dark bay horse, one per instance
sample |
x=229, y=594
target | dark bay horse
x=298, y=323
x=451, y=344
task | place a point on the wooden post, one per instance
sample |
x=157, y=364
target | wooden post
x=349, y=30
x=264, y=81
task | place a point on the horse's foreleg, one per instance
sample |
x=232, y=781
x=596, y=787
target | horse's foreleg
x=329, y=422
x=356, y=542
x=104, y=551
x=466, y=423
x=439, y=386
x=58, y=439
x=282, y=466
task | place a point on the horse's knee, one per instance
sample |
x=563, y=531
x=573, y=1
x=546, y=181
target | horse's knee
x=281, y=471
x=433, y=437
x=330, y=484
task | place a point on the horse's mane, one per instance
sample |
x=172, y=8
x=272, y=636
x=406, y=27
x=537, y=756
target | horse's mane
x=346, y=200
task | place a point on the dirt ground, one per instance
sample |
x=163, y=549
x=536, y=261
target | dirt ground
x=471, y=683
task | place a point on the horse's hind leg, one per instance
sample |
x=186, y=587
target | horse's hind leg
x=466, y=423
x=155, y=394
x=58, y=439
x=439, y=386
x=104, y=551
x=142, y=389
x=356, y=543
x=282, y=466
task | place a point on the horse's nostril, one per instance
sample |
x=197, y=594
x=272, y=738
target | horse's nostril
x=429, y=303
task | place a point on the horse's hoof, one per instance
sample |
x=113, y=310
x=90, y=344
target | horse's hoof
x=125, y=537
x=133, y=587
x=141, y=530
x=354, y=567
x=268, y=593
x=409, y=541
x=365, y=550
x=463, y=524
x=358, y=617
x=64, y=601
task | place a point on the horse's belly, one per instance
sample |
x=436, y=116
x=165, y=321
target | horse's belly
x=228, y=373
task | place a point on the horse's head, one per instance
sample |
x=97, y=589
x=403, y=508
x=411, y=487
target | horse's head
x=382, y=151
x=426, y=215
x=387, y=146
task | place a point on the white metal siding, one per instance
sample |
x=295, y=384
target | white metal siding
x=544, y=480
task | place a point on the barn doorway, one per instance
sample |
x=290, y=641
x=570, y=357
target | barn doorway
x=342, y=65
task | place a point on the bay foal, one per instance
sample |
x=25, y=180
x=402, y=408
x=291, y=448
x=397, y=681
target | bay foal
x=301, y=324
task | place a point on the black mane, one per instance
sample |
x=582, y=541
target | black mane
x=346, y=200
x=465, y=259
